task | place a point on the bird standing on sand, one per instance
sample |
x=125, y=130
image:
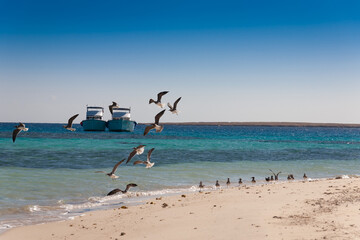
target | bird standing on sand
x=137, y=151
x=70, y=122
x=217, y=184
x=173, y=108
x=119, y=190
x=253, y=180
x=18, y=128
x=305, y=177
x=290, y=177
x=201, y=186
x=147, y=162
x=155, y=125
x=114, y=104
x=112, y=173
x=228, y=182
x=240, y=181
x=158, y=101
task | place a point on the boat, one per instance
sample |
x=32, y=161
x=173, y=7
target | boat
x=94, y=120
x=121, y=120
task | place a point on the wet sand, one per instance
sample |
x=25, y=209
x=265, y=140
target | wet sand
x=321, y=209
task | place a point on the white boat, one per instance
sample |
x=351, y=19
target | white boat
x=94, y=120
x=121, y=120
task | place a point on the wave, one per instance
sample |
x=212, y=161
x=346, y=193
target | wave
x=131, y=198
x=34, y=214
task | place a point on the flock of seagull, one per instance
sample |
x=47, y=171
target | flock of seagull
x=274, y=177
x=136, y=150
x=140, y=149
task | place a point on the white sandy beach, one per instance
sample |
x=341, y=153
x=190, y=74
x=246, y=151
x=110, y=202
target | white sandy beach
x=322, y=209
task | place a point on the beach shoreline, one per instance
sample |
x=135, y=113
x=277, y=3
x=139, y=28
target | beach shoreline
x=317, y=209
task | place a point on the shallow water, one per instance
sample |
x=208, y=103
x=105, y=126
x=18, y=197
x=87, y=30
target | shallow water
x=49, y=173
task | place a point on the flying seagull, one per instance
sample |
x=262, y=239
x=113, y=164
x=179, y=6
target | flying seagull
x=137, y=151
x=114, y=104
x=147, y=162
x=70, y=121
x=116, y=190
x=112, y=173
x=155, y=125
x=18, y=128
x=158, y=101
x=173, y=109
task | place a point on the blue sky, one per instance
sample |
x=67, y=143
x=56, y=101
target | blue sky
x=229, y=60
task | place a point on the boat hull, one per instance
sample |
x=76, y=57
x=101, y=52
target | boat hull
x=93, y=125
x=121, y=125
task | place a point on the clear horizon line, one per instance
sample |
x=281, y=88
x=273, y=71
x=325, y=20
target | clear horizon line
x=234, y=123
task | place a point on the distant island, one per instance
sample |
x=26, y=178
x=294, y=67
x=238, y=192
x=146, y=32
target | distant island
x=265, y=124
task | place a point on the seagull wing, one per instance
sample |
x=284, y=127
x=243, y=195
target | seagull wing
x=15, y=133
x=114, y=192
x=158, y=116
x=129, y=186
x=139, y=149
x=169, y=105
x=148, y=128
x=131, y=156
x=272, y=171
x=70, y=121
x=116, y=165
x=176, y=102
x=149, y=154
x=160, y=94
x=139, y=162
x=140, y=146
x=21, y=125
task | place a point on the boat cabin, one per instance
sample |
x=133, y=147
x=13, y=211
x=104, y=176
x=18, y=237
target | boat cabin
x=94, y=113
x=121, y=113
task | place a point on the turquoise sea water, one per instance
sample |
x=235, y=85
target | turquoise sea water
x=49, y=173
